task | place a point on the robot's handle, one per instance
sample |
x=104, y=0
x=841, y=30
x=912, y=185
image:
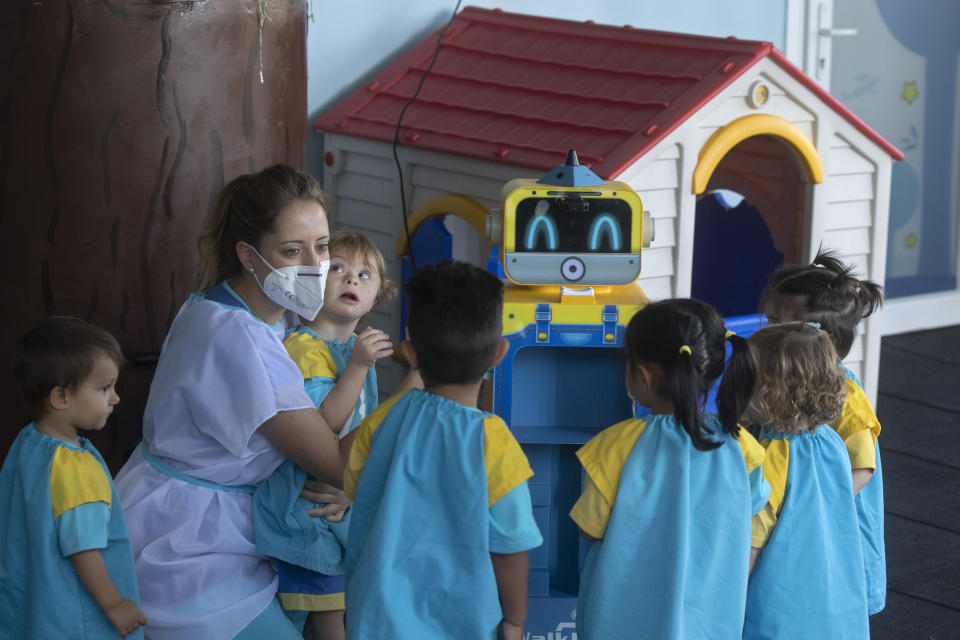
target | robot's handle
x=494, y=226
x=649, y=229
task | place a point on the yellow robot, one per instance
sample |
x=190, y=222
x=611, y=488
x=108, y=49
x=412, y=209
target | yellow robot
x=570, y=248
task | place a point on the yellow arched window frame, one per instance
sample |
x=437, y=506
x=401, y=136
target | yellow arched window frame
x=458, y=205
x=727, y=137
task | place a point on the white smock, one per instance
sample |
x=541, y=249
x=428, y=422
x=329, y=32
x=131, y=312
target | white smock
x=222, y=373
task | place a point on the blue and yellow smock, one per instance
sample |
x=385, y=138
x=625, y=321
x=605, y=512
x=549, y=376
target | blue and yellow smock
x=859, y=427
x=808, y=579
x=437, y=488
x=673, y=531
x=57, y=499
x=310, y=551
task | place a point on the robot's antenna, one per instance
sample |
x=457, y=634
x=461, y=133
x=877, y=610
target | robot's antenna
x=571, y=174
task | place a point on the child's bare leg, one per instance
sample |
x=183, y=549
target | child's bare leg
x=324, y=625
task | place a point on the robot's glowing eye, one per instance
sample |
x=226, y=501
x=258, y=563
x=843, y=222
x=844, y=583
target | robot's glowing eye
x=605, y=225
x=541, y=226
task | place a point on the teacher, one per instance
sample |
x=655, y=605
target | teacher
x=226, y=407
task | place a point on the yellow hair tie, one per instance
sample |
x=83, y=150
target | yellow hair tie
x=685, y=349
x=729, y=334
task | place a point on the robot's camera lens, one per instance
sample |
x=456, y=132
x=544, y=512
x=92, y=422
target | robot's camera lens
x=572, y=269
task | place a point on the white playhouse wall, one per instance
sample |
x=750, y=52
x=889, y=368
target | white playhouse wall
x=846, y=213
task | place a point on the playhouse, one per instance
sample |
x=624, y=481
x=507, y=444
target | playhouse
x=675, y=116
x=678, y=119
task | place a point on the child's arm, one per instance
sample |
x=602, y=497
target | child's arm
x=761, y=527
x=859, y=427
x=370, y=345
x=586, y=536
x=861, y=447
x=591, y=512
x=80, y=498
x=860, y=479
x=122, y=613
x=510, y=570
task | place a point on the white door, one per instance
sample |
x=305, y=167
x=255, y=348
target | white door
x=810, y=33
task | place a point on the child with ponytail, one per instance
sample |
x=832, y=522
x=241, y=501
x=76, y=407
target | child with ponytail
x=807, y=568
x=668, y=498
x=825, y=292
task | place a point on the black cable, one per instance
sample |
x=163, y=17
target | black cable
x=396, y=133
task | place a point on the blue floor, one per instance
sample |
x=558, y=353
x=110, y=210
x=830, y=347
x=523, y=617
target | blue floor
x=919, y=408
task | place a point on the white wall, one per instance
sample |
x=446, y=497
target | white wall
x=350, y=42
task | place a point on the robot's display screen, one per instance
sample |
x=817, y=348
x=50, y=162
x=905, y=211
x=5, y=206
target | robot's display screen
x=573, y=225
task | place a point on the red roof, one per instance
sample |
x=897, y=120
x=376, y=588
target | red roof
x=522, y=90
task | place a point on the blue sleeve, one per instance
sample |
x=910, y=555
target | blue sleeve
x=318, y=388
x=759, y=490
x=512, y=527
x=83, y=527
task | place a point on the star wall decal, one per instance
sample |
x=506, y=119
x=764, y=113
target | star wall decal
x=910, y=92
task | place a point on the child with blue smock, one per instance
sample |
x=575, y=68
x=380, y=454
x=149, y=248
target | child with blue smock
x=340, y=377
x=442, y=520
x=826, y=292
x=807, y=579
x=668, y=498
x=66, y=568
x=226, y=408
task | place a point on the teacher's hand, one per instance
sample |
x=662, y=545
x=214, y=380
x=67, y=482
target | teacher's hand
x=334, y=502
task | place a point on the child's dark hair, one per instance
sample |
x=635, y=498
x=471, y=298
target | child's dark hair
x=800, y=385
x=60, y=351
x=824, y=292
x=455, y=321
x=684, y=342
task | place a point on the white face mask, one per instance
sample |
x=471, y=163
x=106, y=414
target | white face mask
x=299, y=288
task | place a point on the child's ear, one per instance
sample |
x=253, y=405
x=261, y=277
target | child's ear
x=409, y=353
x=648, y=376
x=642, y=375
x=502, y=347
x=58, y=398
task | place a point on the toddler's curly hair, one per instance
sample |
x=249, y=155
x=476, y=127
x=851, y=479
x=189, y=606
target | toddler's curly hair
x=800, y=384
